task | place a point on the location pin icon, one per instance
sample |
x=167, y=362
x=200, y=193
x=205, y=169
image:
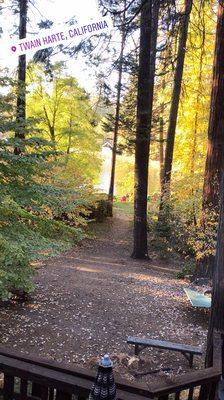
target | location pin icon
x=13, y=48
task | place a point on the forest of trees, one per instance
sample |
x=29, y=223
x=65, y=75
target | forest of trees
x=170, y=70
x=158, y=100
x=152, y=100
x=48, y=168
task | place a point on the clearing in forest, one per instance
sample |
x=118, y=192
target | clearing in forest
x=90, y=299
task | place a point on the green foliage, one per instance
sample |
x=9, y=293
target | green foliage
x=65, y=116
x=188, y=269
x=43, y=200
x=15, y=269
x=26, y=217
x=100, y=209
x=173, y=230
x=182, y=230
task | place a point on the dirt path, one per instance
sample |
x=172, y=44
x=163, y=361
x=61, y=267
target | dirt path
x=88, y=300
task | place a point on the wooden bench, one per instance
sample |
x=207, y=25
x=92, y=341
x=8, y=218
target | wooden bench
x=187, y=351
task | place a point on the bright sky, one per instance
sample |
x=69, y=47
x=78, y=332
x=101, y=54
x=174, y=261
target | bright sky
x=58, y=11
x=62, y=10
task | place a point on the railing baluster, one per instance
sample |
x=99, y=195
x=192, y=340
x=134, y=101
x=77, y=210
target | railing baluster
x=40, y=391
x=36, y=389
x=23, y=388
x=204, y=391
x=213, y=391
x=44, y=393
x=63, y=396
x=8, y=389
x=191, y=393
x=51, y=394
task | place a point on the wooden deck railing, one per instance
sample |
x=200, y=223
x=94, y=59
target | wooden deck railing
x=25, y=377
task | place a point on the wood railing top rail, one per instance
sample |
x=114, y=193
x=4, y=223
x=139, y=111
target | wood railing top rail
x=185, y=381
x=62, y=376
x=42, y=375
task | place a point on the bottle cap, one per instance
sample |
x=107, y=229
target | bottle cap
x=106, y=361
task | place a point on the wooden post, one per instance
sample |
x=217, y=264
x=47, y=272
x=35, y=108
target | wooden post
x=216, y=149
x=8, y=389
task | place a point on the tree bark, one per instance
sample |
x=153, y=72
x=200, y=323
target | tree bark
x=217, y=310
x=216, y=163
x=197, y=115
x=211, y=188
x=51, y=127
x=165, y=192
x=21, y=89
x=154, y=34
x=147, y=56
x=214, y=158
x=117, y=115
x=161, y=145
x=69, y=137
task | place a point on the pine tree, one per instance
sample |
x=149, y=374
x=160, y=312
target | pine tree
x=144, y=114
x=118, y=106
x=21, y=88
x=165, y=190
x=215, y=149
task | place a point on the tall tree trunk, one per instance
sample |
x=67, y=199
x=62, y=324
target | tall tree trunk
x=211, y=189
x=215, y=161
x=154, y=34
x=213, y=164
x=117, y=114
x=197, y=115
x=217, y=309
x=21, y=89
x=161, y=145
x=148, y=38
x=165, y=192
x=214, y=158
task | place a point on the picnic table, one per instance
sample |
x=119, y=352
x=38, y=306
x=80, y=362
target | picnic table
x=198, y=299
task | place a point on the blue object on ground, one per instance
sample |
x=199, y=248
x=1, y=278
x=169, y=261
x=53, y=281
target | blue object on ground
x=198, y=299
x=106, y=361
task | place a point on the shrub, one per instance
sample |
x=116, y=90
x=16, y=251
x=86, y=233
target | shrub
x=15, y=269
